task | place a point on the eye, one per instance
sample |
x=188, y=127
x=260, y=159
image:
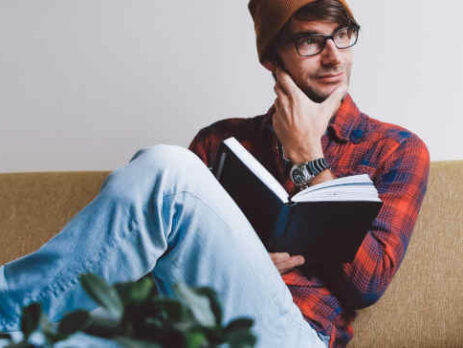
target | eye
x=344, y=33
x=309, y=40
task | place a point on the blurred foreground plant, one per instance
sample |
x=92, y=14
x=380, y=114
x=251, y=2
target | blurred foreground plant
x=139, y=317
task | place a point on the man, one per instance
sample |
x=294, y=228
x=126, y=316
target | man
x=164, y=213
x=307, y=45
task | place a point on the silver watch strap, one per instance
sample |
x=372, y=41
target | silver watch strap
x=317, y=166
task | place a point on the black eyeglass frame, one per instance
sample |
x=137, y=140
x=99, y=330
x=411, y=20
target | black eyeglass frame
x=296, y=37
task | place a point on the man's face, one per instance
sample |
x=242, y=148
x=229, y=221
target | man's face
x=317, y=75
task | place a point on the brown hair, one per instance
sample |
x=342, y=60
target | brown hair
x=325, y=10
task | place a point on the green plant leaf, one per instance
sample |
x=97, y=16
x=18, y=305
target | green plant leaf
x=198, y=304
x=22, y=344
x=133, y=343
x=102, y=293
x=73, y=322
x=241, y=339
x=103, y=327
x=214, y=302
x=238, y=333
x=5, y=336
x=173, y=310
x=52, y=336
x=239, y=324
x=195, y=339
x=30, y=319
x=139, y=318
x=215, y=335
x=49, y=331
x=136, y=292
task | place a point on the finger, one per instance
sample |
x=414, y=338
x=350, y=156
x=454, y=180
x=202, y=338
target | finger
x=289, y=266
x=276, y=107
x=287, y=83
x=277, y=112
x=279, y=90
x=292, y=262
x=276, y=124
x=297, y=260
x=281, y=96
x=280, y=256
x=274, y=119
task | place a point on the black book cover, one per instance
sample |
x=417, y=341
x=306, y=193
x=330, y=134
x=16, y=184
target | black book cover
x=260, y=204
x=326, y=232
x=322, y=231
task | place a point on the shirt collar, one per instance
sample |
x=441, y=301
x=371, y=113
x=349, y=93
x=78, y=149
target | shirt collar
x=344, y=124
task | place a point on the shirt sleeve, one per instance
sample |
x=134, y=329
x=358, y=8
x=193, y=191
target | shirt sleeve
x=206, y=143
x=401, y=182
x=199, y=147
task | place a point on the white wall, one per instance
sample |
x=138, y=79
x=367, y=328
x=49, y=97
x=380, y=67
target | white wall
x=84, y=84
x=409, y=69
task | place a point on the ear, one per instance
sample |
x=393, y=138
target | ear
x=270, y=66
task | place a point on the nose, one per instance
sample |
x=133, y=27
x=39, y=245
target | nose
x=330, y=54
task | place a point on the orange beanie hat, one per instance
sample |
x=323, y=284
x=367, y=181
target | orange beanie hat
x=271, y=15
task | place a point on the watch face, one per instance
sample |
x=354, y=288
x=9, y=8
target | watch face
x=298, y=175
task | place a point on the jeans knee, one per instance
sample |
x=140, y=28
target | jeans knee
x=166, y=156
x=160, y=168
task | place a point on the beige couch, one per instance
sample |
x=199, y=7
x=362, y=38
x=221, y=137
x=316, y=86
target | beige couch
x=423, y=307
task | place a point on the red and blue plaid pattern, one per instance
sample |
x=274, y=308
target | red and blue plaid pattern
x=397, y=161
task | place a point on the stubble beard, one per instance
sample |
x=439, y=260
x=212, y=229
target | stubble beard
x=317, y=97
x=312, y=95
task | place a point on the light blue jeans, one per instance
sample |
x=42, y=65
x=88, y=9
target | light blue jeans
x=164, y=213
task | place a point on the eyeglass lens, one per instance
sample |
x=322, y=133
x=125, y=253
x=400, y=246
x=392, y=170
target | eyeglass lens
x=314, y=44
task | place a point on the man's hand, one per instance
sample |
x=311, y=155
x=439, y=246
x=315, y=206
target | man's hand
x=285, y=263
x=299, y=122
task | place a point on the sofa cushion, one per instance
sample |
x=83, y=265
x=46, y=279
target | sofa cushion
x=423, y=306
x=35, y=206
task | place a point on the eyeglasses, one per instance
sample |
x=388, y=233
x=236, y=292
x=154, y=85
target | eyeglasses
x=308, y=45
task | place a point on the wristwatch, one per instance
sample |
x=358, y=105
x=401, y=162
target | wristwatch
x=303, y=174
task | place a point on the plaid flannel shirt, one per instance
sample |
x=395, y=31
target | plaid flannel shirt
x=397, y=161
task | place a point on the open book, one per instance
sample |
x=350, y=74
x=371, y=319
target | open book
x=326, y=222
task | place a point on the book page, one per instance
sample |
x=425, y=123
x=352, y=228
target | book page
x=353, y=188
x=257, y=168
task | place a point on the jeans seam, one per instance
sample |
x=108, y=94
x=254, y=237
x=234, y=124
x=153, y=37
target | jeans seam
x=199, y=198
